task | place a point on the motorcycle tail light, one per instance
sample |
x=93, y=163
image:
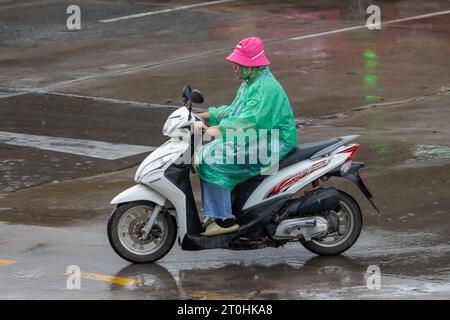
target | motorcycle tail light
x=352, y=150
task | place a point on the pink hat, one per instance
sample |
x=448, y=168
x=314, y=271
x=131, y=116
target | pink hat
x=249, y=52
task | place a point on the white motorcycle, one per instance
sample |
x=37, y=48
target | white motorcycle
x=270, y=209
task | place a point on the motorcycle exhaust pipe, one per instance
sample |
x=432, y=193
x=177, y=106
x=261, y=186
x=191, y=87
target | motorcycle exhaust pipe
x=323, y=200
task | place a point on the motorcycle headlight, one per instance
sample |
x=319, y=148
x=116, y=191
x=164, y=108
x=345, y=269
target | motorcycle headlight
x=154, y=165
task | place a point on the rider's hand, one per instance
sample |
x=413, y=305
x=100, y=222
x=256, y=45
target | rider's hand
x=199, y=126
x=204, y=116
x=213, y=132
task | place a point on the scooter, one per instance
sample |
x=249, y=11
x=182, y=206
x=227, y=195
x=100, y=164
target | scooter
x=272, y=210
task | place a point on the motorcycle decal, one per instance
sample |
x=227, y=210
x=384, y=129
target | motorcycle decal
x=286, y=184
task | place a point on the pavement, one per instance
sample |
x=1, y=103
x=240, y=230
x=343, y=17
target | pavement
x=81, y=109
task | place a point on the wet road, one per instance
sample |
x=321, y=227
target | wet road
x=112, y=84
x=412, y=268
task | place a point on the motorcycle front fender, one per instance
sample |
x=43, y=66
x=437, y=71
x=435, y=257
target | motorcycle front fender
x=139, y=192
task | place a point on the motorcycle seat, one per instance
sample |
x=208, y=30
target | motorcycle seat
x=305, y=150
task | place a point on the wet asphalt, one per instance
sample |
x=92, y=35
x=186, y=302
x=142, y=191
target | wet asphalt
x=116, y=82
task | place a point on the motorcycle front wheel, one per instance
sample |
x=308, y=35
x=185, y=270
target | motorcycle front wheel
x=125, y=232
x=348, y=216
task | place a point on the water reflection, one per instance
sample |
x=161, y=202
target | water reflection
x=370, y=75
x=239, y=281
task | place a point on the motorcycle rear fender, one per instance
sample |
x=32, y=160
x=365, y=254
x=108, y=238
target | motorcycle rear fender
x=353, y=176
x=139, y=192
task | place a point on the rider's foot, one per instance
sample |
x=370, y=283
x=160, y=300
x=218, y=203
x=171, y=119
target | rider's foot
x=207, y=222
x=221, y=227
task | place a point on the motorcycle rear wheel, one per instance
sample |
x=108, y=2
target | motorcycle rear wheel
x=334, y=245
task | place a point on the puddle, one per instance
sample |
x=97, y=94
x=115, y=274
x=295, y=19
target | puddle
x=406, y=288
x=300, y=122
x=424, y=152
x=341, y=115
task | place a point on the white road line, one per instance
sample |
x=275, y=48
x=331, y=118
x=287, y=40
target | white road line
x=9, y=95
x=119, y=101
x=150, y=13
x=10, y=92
x=88, y=148
x=100, y=99
x=129, y=70
x=422, y=16
x=110, y=100
x=319, y=34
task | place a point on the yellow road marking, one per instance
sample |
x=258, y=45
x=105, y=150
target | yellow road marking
x=7, y=262
x=107, y=278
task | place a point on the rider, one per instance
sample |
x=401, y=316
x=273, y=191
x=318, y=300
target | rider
x=260, y=103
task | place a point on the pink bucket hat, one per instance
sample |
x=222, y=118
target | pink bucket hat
x=249, y=52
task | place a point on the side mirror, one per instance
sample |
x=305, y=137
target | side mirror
x=196, y=96
x=186, y=93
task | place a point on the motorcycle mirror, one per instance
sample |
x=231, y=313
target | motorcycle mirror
x=196, y=96
x=186, y=93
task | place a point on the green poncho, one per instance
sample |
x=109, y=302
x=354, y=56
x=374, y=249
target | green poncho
x=260, y=103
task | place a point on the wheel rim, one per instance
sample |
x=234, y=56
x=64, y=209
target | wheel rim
x=131, y=224
x=345, y=227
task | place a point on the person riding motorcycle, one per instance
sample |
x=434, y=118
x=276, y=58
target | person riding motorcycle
x=261, y=105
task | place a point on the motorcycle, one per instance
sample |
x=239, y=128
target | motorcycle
x=271, y=210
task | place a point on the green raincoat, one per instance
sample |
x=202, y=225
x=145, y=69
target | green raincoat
x=260, y=103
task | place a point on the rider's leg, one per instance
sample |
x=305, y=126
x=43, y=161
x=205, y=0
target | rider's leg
x=217, y=205
x=216, y=201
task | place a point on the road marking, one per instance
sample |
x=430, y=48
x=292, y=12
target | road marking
x=110, y=100
x=151, y=13
x=88, y=148
x=134, y=69
x=10, y=95
x=100, y=99
x=119, y=101
x=107, y=278
x=97, y=76
x=7, y=92
x=7, y=262
x=319, y=34
x=422, y=16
